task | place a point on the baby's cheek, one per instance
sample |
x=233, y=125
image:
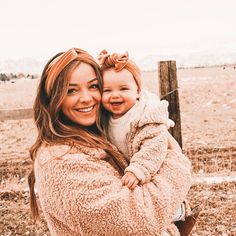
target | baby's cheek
x=104, y=99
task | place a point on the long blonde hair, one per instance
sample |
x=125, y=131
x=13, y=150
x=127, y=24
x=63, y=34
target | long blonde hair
x=54, y=127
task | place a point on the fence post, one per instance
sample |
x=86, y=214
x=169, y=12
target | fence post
x=168, y=86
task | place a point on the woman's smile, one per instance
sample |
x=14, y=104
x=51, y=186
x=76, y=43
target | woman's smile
x=85, y=109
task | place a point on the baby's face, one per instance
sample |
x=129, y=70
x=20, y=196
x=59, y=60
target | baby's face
x=120, y=92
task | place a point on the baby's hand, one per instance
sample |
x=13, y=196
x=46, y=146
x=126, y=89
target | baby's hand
x=130, y=180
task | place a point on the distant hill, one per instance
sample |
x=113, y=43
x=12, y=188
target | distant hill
x=149, y=62
x=24, y=65
x=187, y=60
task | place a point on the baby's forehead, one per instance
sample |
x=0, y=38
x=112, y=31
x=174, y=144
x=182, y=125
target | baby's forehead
x=120, y=75
x=113, y=70
x=119, y=82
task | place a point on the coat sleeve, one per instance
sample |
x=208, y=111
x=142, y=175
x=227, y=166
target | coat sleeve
x=83, y=196
x=151, y=142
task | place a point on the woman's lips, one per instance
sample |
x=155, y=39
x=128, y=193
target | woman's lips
x=85, y=109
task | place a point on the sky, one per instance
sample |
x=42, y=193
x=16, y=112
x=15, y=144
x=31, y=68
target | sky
x=41, y=28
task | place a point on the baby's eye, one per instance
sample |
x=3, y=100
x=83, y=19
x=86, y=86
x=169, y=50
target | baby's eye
x=124, y=89
x=94, y=86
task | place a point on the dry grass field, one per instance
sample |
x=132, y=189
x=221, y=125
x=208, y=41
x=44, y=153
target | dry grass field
x=208, y=118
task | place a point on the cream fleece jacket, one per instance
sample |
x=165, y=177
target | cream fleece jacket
x=118, y=129
x=147, y=139
x=81, y=194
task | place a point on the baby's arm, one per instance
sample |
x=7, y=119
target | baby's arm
x=152, y=144
x=173, y=144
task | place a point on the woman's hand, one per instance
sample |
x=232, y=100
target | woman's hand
x=130, y=180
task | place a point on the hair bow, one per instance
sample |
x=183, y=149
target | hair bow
x=119, y=61
x=103, y=55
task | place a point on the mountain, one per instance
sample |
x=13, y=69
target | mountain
x=25, y=65
x=193, y=59
x=149, y=62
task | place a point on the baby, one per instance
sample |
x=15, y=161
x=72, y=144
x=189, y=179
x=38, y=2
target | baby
x=137, y=122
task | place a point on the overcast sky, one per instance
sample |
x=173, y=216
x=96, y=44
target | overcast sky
x=41, y=28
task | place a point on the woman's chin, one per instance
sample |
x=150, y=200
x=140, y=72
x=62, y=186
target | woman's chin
x=86, y=123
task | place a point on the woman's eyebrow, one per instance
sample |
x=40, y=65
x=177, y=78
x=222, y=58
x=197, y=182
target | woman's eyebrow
x=90, y=81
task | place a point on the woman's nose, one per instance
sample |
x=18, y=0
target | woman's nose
x=85, y=96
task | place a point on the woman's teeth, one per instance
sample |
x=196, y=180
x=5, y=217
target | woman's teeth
x=88, y=109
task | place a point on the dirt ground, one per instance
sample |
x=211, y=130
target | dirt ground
x=208, y=119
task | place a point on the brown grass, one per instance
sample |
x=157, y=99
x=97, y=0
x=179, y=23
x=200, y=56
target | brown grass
x=208, y=114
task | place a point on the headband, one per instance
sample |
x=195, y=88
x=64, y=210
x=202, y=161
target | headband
x=59, y=63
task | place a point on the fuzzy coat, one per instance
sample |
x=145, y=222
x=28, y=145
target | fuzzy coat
x=147, y=137
x=82, y=194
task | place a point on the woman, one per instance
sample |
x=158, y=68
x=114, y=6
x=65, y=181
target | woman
x=78, y=172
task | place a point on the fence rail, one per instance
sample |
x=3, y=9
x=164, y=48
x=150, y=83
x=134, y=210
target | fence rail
x=16, y=114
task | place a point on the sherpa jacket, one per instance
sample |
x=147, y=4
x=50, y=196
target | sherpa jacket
x=147, y=139
x=82, y=194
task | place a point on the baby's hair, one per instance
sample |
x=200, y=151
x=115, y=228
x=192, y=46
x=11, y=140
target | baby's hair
x=119, y=62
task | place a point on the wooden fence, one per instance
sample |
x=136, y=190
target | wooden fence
x=168, y=86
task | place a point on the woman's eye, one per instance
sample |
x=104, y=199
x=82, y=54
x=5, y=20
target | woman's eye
x=71, y=91
x=94, y=86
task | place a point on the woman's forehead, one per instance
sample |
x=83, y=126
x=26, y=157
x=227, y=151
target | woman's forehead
x=83, y=73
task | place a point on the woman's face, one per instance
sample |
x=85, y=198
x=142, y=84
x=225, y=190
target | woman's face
x=83, y=97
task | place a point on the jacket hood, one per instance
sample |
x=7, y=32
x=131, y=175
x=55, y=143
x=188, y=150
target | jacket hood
x=153, y=110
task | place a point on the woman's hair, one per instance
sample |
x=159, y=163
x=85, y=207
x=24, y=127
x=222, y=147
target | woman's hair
x=117, y=62
x=52, y=125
